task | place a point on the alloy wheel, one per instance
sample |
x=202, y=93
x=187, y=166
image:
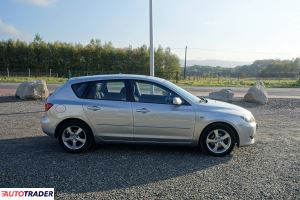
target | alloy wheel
x=74, y=137
x=218, y=141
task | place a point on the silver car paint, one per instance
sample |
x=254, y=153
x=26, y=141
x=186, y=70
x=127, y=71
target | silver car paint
x=171, y=122
x=113, y=119
x=120, y=121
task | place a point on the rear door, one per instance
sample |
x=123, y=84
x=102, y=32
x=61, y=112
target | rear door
x=108, y=110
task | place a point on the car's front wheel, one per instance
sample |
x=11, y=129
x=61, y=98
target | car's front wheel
x=75, y=137
x=218, y=140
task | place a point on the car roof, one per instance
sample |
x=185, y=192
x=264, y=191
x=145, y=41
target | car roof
x=113, y=77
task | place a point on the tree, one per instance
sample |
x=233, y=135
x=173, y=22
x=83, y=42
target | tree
x=93, y=58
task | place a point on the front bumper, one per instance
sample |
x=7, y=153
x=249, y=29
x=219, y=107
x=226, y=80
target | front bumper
x=247, y=133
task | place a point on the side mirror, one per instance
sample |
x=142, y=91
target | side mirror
x=177, y=101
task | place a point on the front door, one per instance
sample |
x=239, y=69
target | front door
x=155, y=116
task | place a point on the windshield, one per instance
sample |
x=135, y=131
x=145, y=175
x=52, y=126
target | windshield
x=183, y=92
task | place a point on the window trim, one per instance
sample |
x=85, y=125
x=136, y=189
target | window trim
x=185, y=102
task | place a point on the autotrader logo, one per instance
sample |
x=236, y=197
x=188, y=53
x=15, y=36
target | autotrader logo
x=27, y=193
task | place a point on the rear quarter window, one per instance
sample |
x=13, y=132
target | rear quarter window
x=79, y=89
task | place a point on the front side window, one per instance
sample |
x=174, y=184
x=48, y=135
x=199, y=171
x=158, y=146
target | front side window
x=183, y=92
x=106, y=90
x=147, y=92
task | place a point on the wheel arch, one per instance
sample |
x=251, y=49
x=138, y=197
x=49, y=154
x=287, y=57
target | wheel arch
x=70, y=120
x=237, y=138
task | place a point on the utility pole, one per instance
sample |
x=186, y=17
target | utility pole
x=184, y=71
x=151, y=40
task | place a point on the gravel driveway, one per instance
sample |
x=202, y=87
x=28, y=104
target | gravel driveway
x=270, y=169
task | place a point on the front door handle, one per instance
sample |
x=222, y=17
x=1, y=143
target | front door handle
x=142, y=110
x=94, y=108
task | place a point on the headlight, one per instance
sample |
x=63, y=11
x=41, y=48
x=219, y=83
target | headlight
x=248, y=119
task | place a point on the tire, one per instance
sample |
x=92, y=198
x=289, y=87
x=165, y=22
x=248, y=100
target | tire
x=218, y=140
x=75, y=137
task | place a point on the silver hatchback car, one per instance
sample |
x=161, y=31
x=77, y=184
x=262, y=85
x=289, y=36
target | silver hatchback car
x=142, y=109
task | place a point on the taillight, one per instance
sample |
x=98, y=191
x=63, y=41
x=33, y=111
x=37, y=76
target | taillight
x=48, y=106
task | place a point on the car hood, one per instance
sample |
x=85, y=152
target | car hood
x=219, y=106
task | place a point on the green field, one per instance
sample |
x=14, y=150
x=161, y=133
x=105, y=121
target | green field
x=234, y=82
x=213, y=82
x=20, y=79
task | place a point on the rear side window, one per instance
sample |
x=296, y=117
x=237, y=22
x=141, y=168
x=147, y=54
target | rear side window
x=115, y=87
x=80, y=88
x=101, y=90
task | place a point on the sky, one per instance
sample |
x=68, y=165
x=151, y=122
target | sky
x=233, y=30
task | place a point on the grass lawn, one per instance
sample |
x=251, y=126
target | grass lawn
x=233, y=82
x=213, y=82
x=20, y=79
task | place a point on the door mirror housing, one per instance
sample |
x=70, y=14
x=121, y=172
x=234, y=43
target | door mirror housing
x=177, y=101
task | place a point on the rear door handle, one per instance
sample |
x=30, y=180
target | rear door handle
x=94, y=108
x=142, y=110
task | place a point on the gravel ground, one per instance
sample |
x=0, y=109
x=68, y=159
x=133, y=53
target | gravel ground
x=269, y=169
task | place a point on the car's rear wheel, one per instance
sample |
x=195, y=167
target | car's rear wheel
x=75, y=137
x=218, y=140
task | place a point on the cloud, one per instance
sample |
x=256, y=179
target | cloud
x=8, y=29
x=41, y=3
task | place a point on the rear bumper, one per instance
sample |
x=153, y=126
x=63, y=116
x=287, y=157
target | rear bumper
x=247, y=134
x=47, y=126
